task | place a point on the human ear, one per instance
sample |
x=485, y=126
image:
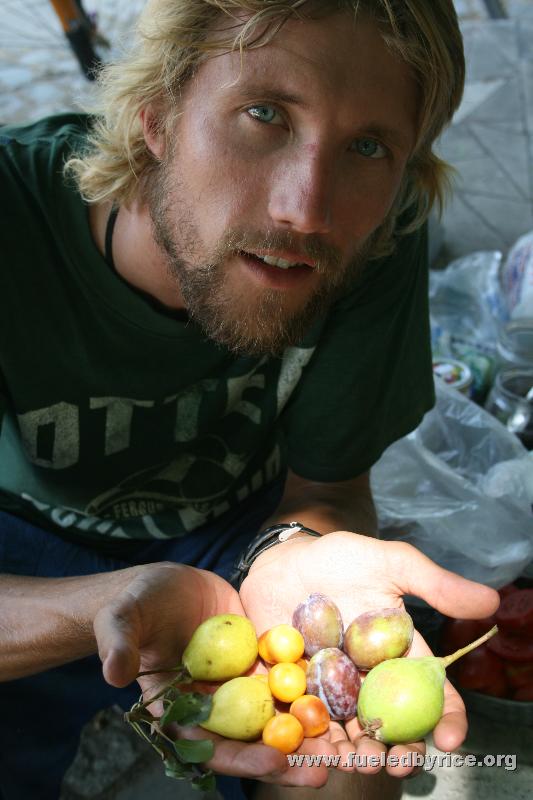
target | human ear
x=153, y=130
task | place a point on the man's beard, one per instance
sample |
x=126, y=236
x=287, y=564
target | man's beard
x=251, y=321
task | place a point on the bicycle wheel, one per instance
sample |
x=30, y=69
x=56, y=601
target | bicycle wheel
x=39, y=72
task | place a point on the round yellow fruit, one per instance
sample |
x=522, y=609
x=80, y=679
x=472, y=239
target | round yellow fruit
x=283, y=643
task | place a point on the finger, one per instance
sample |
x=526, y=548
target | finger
x=256, y=760
x=231, y=757
x=117, y=641
x=354, y=729
x=313, y=773
x=452, y=728
x=446, y=591
x=337, y=733
x=248, y=761
x=451, y=731
x=419, y=647
x=259, y=761
x=370, y=755
x=346, y=752
x=404, y=759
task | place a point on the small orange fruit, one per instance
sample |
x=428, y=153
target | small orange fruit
x=312, y=713
x=284, y=732
x=263, y=649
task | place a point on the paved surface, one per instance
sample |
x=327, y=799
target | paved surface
x=491, y=139
x=491, y=145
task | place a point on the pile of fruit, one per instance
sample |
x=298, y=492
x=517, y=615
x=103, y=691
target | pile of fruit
x=503, y=667
x=309, y=673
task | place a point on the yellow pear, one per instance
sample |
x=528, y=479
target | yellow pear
x=222, y=647
x=241, y=709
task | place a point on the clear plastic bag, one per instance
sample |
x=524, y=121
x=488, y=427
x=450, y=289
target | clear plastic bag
x=459, y=488
x=466, y=297
x=517, y=278
x=467, y=310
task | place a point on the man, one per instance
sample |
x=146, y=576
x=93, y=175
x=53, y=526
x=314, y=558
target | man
x=225, y=335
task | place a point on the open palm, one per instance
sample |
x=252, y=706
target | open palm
x=362, y=574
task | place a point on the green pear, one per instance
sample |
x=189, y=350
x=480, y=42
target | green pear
x=401, y=699
x=222, y=647
x=241, y=709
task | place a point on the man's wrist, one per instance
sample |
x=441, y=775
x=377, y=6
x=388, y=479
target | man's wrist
x=264, y=540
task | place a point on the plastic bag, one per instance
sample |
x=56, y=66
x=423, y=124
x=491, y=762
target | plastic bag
x=517, y=278
x=467, y=309
x=459, y=488
x=466, y=297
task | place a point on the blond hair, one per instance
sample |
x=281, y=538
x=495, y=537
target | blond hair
x=174, y=36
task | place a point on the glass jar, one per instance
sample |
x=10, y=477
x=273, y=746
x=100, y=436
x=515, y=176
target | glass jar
x=515, y=344
x=511, y=401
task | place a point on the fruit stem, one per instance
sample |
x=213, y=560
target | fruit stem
x=142, y=705
x=180, y=669
x=447, y=660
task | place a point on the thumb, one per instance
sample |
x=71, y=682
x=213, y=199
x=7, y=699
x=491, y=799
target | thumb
x=117, y=640
x=446, y=591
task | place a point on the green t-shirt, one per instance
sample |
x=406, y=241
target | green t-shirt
x=118, y=420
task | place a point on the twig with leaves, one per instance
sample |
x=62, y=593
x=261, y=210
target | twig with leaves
x=181, y=757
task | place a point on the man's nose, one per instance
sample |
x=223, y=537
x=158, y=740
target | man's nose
x=301, y=196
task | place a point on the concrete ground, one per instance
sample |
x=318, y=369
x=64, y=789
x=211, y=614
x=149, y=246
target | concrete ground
x=491, y=145
x=490, y=142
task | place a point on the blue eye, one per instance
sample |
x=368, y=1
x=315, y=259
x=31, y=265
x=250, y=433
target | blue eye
x=369, y=148
x=263, y=113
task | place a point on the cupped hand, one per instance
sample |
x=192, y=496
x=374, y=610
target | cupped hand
x=148, y=623
x=362, y=574
x=146, y=627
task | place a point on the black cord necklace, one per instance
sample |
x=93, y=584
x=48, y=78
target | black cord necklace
x=109, y=230
x=177, y=314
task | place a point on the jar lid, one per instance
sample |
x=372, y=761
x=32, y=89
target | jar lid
x=453, y=372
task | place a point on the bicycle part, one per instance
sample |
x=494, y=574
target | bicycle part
x=39, y=73
x=496, y=9
x=80, y=31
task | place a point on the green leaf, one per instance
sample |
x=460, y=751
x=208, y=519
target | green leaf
x=190, y=708
x=205, y=782
x=175, y=770
x=194, y=752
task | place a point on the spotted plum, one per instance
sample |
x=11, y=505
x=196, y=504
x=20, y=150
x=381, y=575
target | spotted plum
x=376, y=636
x=319, y=621
x=335, y=679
